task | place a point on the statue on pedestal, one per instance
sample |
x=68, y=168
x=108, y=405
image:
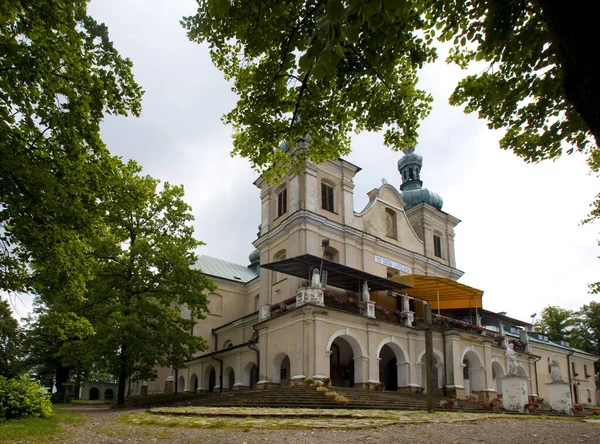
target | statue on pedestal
x=316, y=278
x=555, y=372
x=365, y=292
x=512, y=358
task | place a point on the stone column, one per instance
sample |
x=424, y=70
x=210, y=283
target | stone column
x=361, y=369
x=490, y=392
x=454, y=380
x=373, y=376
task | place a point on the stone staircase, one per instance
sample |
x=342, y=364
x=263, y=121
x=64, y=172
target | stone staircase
x=306, y=397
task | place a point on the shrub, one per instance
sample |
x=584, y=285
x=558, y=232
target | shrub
x=308, y=381
x=317, y=384
x=20, y=398
x=322, y=389
x=330, y=394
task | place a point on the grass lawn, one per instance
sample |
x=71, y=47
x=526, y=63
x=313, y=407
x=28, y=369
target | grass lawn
x=38, y=428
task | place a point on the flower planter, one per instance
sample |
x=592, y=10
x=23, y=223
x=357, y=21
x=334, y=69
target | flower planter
x=531, y=410
x=449, y=405
x=487, y=407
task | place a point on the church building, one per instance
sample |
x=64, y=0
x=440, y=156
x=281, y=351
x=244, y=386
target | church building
x=339, y=293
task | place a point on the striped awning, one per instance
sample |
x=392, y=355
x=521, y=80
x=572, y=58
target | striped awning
x=440, y=292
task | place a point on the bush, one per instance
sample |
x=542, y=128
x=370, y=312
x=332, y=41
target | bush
x=20, y=398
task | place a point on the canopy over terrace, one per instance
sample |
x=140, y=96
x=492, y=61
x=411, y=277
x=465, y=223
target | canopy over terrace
x=441, y=293
x=338, y=275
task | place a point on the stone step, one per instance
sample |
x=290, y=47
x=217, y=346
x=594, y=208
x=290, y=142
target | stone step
x=306, y=397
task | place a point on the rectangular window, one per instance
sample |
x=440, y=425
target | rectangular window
x=281, y=202
x=437, y=245
x=327, y=197
x=573, y=369
x=587, y=375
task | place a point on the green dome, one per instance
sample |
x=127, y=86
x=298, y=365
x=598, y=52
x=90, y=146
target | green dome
x=410, y=158
x=412, y=189
x=254, y=257
x=416, y=196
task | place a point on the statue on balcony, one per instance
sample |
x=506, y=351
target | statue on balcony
x=365, y=292
x=316, y=278
x=555, y=372
x=512, y=358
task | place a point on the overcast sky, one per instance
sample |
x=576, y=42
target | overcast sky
x=520, y=239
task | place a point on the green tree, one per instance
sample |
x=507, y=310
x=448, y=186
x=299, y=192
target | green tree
x=352, y=65
x=59, y=75
x=587, y=334
x=57, y=345
x=557, y=323
x=146, y=296
x=11, y=351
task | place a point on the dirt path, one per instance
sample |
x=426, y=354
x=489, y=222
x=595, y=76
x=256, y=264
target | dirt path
x=103, y=426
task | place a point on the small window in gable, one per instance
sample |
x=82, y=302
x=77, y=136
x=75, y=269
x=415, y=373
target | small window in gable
x=227, y=344
x=281, y=203
x=437, y=246
x=391, y=227
x=327, y=197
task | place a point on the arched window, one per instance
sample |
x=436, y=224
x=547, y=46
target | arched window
x=279, y=256
x=391, y=228
x=227, y=344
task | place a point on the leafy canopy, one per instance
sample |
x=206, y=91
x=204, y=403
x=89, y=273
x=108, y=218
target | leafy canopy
x=325, y=68
x=59, y=75
x=320, y=69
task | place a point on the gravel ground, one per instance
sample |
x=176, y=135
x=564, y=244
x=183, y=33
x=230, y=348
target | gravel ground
x=103, y=427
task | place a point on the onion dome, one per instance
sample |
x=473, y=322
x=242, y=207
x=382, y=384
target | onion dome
x=412, y=189
x=254, y=258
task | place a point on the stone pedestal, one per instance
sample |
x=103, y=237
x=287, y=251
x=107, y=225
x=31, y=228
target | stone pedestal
x=456, y=392
x=170, y=384
x=309, y=295
x=515, y=393
x=265, y=385
x=409, y=318
x=265, y=312
x=559, y=397
x=367, y=308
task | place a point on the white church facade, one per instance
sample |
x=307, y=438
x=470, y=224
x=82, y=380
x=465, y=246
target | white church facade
x=360, y=321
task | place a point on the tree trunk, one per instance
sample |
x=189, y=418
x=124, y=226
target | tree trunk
x=573, y=27
x=62, y=376
x=122, y=375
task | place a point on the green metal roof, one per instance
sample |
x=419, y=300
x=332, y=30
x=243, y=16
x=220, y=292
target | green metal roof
x=212, y=266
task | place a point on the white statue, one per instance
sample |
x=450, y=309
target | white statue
x=365, y=292
x=512, y=357
x=316, y=278
x=555, y=372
